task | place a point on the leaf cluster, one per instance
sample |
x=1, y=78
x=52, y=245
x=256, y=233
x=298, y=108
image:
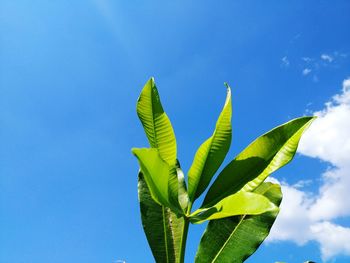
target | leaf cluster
x=240, y=207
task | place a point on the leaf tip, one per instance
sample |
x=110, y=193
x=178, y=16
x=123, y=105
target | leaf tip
x=227, y=87
x=311, y=119
x=135, y=151
x=228, y=97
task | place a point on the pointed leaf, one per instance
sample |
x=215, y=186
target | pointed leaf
x=241, y=203
x=156, y=123
x=211, y=153
x=162, y=227
x=265, y=155
x=234, y=239
x=158, y=176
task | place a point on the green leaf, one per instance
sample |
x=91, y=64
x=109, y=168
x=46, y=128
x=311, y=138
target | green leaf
x=211, y=153
x=241, y=203
x=156, y=123
x=159, y=132
x=265, y=155
x=234, y=239
x=162, y=227
x=158, y=176
x=183, y=195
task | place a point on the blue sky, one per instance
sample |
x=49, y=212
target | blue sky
x=70, y=74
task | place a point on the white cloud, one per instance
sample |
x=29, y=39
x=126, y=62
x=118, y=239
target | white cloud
x=332, y=200
x=327, y=57
x=328, y=137
x=334, y=239
x=302, y=183
x=307, y=59
x=304, y=217
x=306, y=71
x=315, y=66
x=285, y=61
x=293, y=222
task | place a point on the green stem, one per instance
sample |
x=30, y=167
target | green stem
x=181, y=257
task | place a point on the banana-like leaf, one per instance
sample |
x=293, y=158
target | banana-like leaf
x=162, y=227
x=158, y=176
x=234, y=239
x=156, y=123
x=241, y=203
x=159, y=131
x=262, y=157
x=211, y=153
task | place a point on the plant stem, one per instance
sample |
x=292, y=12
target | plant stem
x=181, y=257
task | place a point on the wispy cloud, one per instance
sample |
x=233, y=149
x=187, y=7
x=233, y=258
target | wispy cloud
x=302, y=183
x=306, y=71
x=318, y=64
x=306, y=59
x=327, y=57
x=285, y=61
x=312, y=67
x=305, y=217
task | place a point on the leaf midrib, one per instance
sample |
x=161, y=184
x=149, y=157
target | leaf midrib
x=274, y=156
x=153, y=118
x=228, y=239
x=234, y=231
x=270, y=161
x=165, y=235
x=208, y=152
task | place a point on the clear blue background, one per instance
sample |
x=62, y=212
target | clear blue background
x=70, y=74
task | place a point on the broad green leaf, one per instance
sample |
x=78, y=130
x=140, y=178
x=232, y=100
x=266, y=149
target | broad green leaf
x=159, y=131
x=241, y=203
x=211, y=153
x=156, y=123
x=234, y=239
x=265, y=155
x=158, y=176
x=162, y=227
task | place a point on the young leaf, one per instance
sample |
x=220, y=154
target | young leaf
x=156, y=123
x=241, y=203
x=211, y=153
x=162, y=227
x=183, y=195
x=234, y=239
x=158, y=176
x=265, y=155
